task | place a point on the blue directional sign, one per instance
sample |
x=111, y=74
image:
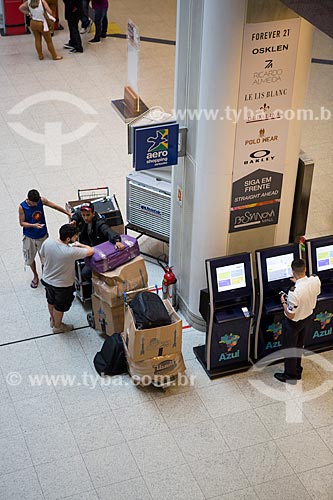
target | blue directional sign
x=155, y=146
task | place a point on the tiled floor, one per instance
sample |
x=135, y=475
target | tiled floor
x=104, y=439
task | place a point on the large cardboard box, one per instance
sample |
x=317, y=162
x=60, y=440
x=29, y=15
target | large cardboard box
x=152, y=342
x=107, y=319
x=159, y=369
x=111, y=285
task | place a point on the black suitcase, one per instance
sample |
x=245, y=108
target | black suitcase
x=109, y=210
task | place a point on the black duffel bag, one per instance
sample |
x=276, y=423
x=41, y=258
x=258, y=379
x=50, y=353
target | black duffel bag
x=149, y=311
x=111, y=360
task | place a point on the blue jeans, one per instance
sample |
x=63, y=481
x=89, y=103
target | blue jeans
x=101, y=23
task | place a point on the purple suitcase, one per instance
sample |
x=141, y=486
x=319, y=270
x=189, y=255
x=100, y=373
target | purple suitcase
x=107, y=257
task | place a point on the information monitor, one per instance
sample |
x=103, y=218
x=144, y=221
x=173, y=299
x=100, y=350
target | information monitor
x=230, y=278
x=279, y=267
x=320, y=258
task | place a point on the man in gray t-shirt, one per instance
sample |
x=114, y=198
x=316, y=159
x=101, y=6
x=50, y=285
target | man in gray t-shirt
x=58, y=257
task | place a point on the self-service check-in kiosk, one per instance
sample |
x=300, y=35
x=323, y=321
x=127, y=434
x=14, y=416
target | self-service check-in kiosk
x=274, y=273
x=227, y=308
x=320, y=262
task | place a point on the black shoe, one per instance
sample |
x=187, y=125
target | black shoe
x=68, y=46
x=94, y=40
x=103, y=36
x=74, y=51
x=282, y=377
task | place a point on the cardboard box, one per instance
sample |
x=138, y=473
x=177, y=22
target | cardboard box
x=107, y=319
x=159, y=369
x=152, y=342
x=111, y=285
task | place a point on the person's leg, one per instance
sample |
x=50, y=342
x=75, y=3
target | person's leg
x=57, y=318
x=50, y=46
x=289, y=341
x=29, y=254
x=85, y=21
x=35, y=28
x=62, y=303
x=304, y=325
x=75, y=39
x=53, y=7
x=98, y=24
x=35, y=279
x=51, y=311
x=104, y=24
x=86, y=273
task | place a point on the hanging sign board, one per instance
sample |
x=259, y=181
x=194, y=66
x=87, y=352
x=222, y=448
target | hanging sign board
x=155, y=146
x=265, y=98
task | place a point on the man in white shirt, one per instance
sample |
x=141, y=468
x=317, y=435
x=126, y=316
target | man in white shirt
x=58, y=257
x=298, y=307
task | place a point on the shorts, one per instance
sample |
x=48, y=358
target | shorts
x=59, y=297
x=31, y=247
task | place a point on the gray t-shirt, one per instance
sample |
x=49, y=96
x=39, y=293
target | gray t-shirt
x=58, y=260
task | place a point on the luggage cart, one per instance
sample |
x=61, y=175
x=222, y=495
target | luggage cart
x=107, y=207
x=159, y=383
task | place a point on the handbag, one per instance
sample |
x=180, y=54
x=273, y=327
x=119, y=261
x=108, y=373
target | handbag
x=49, y=19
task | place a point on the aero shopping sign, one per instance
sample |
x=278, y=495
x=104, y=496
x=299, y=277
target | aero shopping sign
x=155, y=146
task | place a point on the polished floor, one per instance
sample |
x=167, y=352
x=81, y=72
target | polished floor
x=86, y=438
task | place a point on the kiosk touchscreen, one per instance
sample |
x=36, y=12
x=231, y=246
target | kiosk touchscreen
x=320, y=262
x=228, y=313
x=274, y=273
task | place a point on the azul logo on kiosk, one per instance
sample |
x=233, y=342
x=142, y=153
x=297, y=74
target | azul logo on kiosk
x=155, y=146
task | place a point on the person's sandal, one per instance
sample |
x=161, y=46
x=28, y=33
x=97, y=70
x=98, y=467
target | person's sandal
x=34, y=283
x=58, y=58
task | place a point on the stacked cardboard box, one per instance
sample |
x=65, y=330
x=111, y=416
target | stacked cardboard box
x=108, y=290
x=154, y=352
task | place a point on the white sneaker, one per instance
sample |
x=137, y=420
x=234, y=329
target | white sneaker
x=63, y=328
x=87, y=29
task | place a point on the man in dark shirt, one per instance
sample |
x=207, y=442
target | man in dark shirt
x=93, y=230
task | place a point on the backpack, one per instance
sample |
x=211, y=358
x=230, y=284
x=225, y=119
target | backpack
x=149, y=311
x=111, y=360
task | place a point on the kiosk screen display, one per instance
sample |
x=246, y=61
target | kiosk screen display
x=324, y=257
x=279, y=267
x=230, y=277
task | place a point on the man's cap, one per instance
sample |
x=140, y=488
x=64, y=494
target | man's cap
x=88, y=206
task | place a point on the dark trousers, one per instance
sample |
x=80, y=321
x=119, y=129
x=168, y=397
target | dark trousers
x=85, y=14
x=86, y=273
x=293, y=337
x=101, y=23
x=74, y=35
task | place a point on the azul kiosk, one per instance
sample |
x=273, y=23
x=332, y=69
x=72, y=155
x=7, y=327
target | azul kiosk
x=320, y=262
x=228, y=312
x=274, y=273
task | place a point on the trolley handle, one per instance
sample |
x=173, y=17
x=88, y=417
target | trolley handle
x=99, y=192
x=134, y=292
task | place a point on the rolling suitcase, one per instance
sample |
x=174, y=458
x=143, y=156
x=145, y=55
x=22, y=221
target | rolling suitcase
x=107, y=257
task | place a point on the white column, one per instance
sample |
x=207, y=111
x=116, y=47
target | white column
x=209, y=47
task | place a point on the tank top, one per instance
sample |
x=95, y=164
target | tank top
x=37, y=14
x=33, y=215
